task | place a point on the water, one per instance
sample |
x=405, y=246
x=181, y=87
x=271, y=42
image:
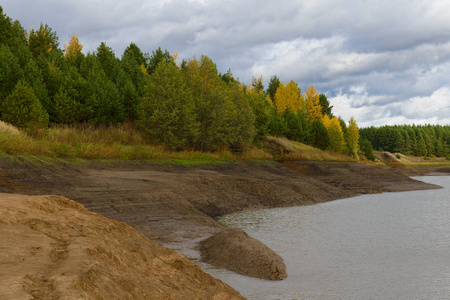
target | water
x=385, y=246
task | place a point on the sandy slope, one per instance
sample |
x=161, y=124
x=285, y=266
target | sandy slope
x=53, y=248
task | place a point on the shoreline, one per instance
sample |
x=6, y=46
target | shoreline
x=176, y=206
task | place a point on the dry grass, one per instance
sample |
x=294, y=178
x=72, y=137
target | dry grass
x=125, y=142
x=9, y=129
x=291, y=150
x=105, y=142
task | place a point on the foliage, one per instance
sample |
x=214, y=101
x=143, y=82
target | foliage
x=224, y=118
x=366, y=149
x=23, y=109
x=416, y=140
x=296, y=126
x=335, y=134
x=262, y=111
x=325, y=104
x=288, y=96
x=353, y=137
x=191, y=106
x=274, y=83
x=313, y=108
x=319, y=135
x=10, y=71
x=157, y=56
x=74, y=48
x=42, y=41
x=167, y=113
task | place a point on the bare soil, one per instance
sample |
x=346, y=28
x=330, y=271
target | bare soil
x=53, y=248
x=235, y=250
x=176, y=206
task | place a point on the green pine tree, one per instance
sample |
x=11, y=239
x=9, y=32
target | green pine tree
x=167, y=111
x=23, y=109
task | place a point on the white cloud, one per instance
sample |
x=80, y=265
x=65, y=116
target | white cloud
x=437, y=105
x=432, y=109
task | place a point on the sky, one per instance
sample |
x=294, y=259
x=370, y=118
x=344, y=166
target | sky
x=382, y=62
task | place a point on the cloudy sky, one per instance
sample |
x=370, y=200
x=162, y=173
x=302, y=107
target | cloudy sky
x=383, y=62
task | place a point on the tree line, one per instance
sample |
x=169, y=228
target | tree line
x=179, y=105
x=415, y=140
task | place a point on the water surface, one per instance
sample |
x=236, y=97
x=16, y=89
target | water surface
x=384, y=246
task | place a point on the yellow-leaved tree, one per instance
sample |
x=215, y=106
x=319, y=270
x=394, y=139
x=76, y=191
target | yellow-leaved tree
x=353, y=137
x=71, y=51
x=289, y=96
x=335, y=134
x=313, y=108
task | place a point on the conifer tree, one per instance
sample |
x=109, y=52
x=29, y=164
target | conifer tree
x=133, y=52
x=319, y=135
x=274, y=83
x=157, y=56
x=213, y=106
x=108, y=61
x=10, y=71
x=242, y=118
x=42, y=41
x=167, y=111
x=367, y=149
x=326, y=108
x=23, y=109
x=262, y=111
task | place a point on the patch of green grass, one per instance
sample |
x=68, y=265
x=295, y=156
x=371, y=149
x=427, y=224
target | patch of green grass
x=198, y=161
x=429, y=164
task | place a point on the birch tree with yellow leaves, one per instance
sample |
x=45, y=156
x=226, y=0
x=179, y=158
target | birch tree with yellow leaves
x=335, y=134
x=288, y=96
x=353, y=137
x=313, y=108
x=72, y=50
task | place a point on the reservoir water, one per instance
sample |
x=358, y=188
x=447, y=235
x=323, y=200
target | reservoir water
x=384, y=246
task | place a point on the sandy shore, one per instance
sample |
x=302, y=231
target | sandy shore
x=176, y=205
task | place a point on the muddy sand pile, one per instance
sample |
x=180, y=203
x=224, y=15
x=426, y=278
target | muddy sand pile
x=235, y=250
x=53, y=248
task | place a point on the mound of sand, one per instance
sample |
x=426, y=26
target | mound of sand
x=53, y=248
x=235, y=250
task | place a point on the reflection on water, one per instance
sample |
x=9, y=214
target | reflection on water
x=385, y=246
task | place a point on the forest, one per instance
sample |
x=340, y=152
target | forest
x=179, y=105
x=415, y=140
x=186, y=105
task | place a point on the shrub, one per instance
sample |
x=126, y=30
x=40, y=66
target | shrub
x=23, y=109
x=366, y=148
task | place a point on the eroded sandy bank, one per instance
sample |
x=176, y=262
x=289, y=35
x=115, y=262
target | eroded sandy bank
x=176, y=206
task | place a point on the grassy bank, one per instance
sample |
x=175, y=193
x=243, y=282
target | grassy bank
x=104, y=142
x=124, y=142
